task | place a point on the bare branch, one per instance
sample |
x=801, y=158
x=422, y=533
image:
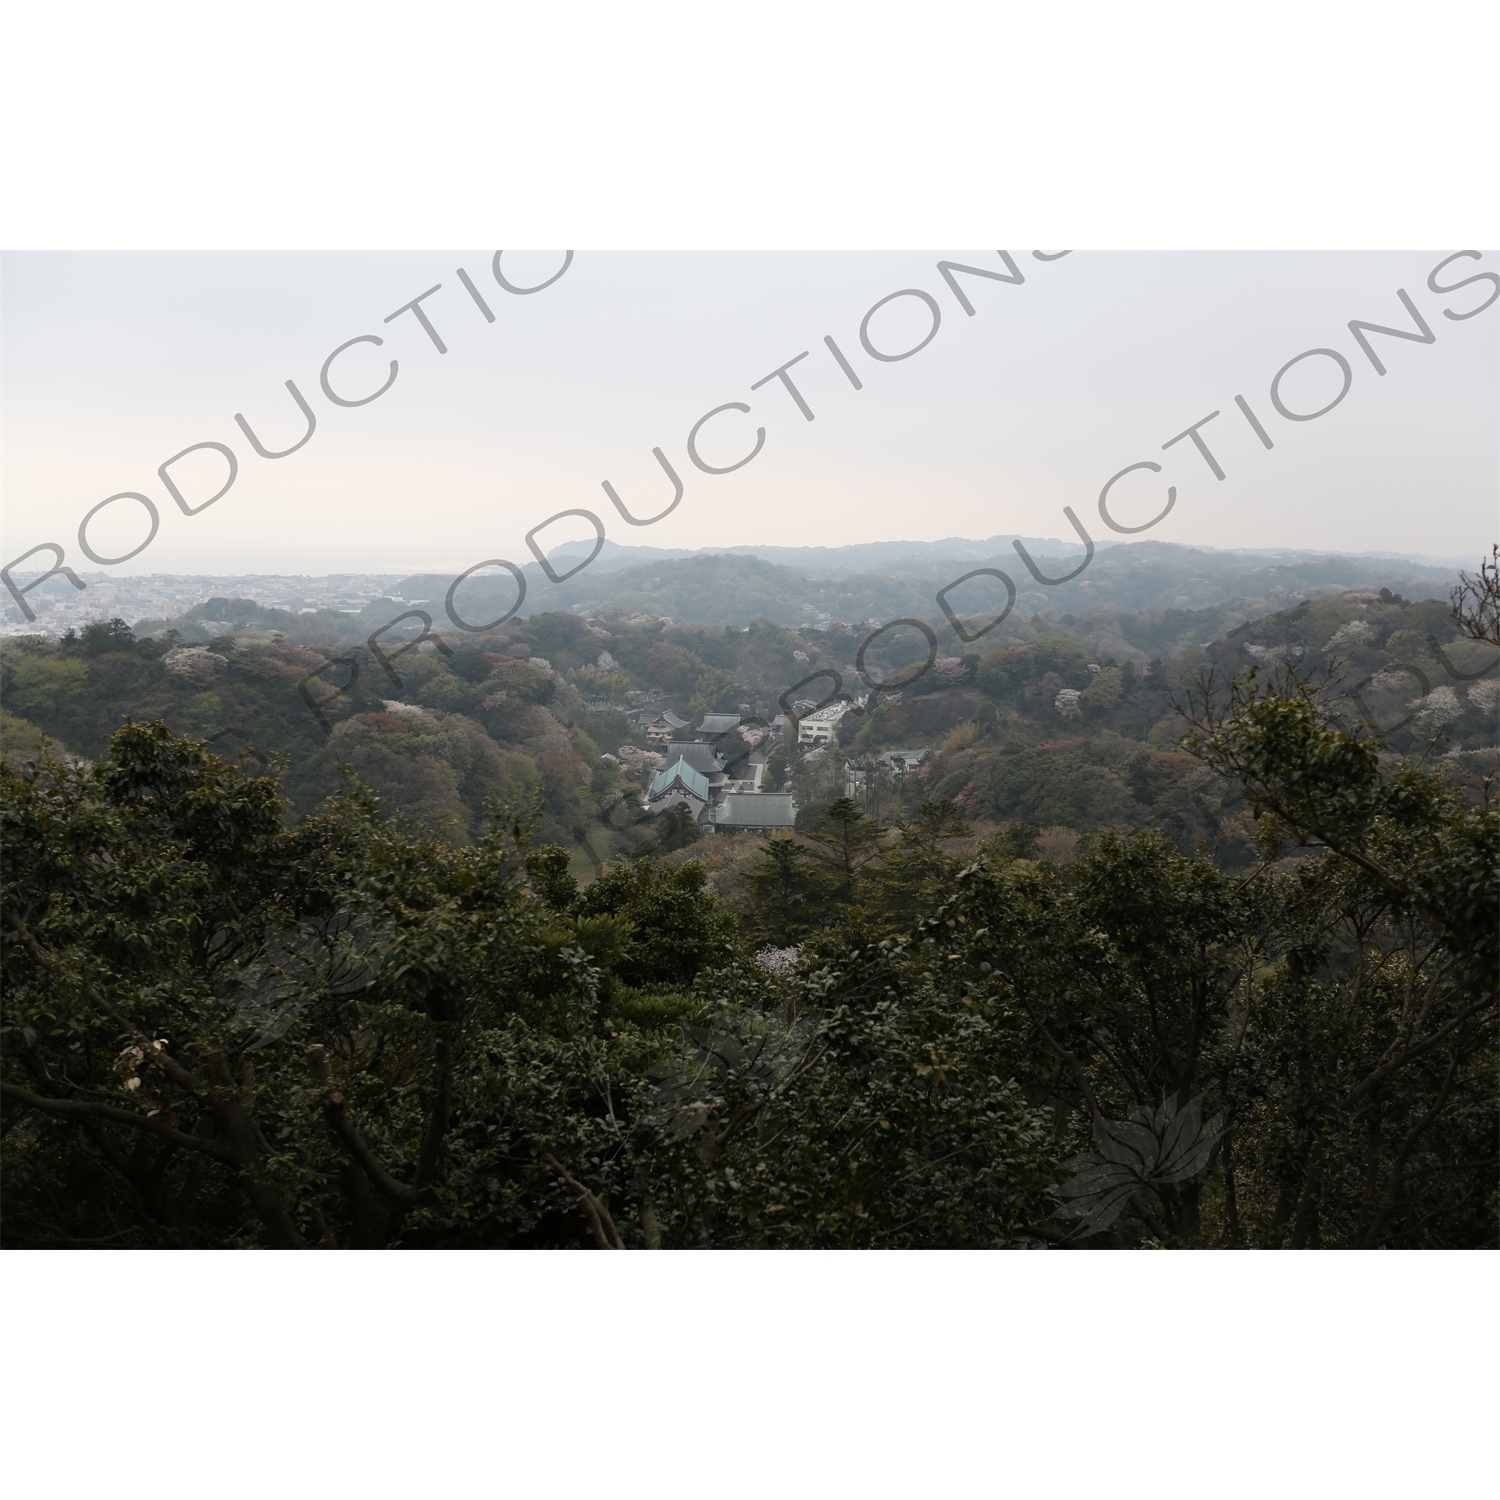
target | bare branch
x=1387, y=1069
x=397, y=1192
x=438, y=1119
x=34, y=948
x=650, y=1228
x=87, y=1109
x=1071, y=1061
x=1475, y=600
x=599, y=1216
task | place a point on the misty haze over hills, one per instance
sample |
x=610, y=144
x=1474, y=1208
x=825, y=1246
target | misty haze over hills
x=879, y=581
x=896, y=556
x=857, y=557
x=863, y=582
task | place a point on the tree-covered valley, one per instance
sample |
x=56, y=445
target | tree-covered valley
x=1181, y=933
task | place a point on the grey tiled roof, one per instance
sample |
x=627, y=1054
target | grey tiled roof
x=757, y=810
x=907, y=758
x=679, y=773
x=699, y=756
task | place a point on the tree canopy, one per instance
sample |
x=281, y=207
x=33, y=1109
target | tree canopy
x=222, y=1031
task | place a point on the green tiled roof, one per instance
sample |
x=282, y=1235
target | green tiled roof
x=680, y=772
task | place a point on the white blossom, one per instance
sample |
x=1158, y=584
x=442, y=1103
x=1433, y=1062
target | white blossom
x=1066, y=703
x=1439, y=707
x=1271, y=655
x=196, y=663
x=1355, y=633
x=1485, y=696
x=778, y=961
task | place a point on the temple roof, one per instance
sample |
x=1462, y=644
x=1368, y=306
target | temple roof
x=699, y=756
x=757, y=810
x=679, y=773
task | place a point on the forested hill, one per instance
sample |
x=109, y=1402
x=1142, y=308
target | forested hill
x=1063, y=724
x=734, y=589
x=933, y=1017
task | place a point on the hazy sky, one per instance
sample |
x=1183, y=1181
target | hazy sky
x=115, y=362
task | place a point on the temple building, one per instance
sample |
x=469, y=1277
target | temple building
x=756, y=812
x=678, y=782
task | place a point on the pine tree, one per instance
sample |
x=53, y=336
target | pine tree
x=913, y=874
x=789, y=891
x=846, y=842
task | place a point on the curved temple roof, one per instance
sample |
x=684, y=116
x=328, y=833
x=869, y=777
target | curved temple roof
x=679, y=773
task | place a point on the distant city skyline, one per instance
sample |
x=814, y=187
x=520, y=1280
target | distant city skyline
x=1083, y=367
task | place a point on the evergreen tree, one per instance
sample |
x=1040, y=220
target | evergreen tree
x=789, y=891
x=910, y=877
x=846, y=841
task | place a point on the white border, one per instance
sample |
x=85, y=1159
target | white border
x=1312, y=124
x=289, y=124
